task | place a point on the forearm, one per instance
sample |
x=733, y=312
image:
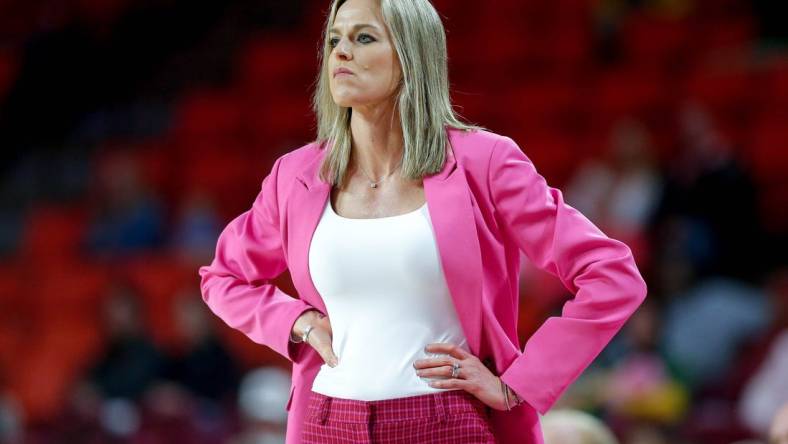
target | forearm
x=563, y=347
x=263, y=313
x=600, y=272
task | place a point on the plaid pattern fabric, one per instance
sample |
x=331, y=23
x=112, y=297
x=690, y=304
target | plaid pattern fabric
x=452, y=416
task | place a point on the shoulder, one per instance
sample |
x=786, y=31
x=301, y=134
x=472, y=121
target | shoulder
x=478, y=145
x=483, y=153
x=304, y=153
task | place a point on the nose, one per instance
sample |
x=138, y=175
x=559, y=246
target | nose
x=342, y=50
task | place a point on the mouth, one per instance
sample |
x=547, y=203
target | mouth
x=342, y=72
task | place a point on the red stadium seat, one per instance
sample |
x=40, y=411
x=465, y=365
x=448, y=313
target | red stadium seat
x=656, y=42
x=13, y=312
x=207, y=114
x=472, y=105
x=768, y=158
x=731, y=33
x=555, y=155
x=276, y=64
x=224, y=174
x=773, y=202
x=778, y=85
x=278, y=123
x=53, y=234
x=632, y=92
x=8, y=71
x=47, y=346
x=540, y=106
x=722, y=87
x=730, y=94
x=101, y=12
x=160, y=279
x=768, y=153
x=40, y=380
x=73, y=289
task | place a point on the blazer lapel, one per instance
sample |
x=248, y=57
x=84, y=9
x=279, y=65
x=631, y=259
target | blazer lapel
x=305, y=206
x=451, y=212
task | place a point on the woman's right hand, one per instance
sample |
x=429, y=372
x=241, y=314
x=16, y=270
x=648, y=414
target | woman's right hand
x=320, y=338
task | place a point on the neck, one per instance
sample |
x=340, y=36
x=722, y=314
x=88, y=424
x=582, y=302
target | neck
x=377, y=140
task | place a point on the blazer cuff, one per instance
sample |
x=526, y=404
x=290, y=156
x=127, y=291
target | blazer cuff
x=520, y=377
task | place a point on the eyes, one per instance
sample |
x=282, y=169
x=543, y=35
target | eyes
x=362, y=38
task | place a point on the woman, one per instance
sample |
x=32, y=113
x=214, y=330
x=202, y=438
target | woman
x=405, y=329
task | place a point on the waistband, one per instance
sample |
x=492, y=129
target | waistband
x=440, y=405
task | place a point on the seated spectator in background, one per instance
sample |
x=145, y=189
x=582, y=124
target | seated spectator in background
x=632, y=383
x=127, y=218
x=641, y=385
x=709, y=194
x=130, y=362
x=10, y=416
x=574, y=427
x=104, y=406
x=196, y=230
x=706, y=326
x=195, y=398
x=610, y=16
x=202, y=365
x=621, y=193
x=81, y=419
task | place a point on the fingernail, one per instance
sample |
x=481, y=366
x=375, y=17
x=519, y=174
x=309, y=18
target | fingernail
x=333, y=363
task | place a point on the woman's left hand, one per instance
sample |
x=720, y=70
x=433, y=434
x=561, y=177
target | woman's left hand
x=473, y=376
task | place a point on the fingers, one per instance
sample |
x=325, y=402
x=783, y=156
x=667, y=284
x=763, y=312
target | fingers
x=434, y=362
x=455, y=353
x=320, y=340
x=448, y=348
x=444, y=371
x=454, y=384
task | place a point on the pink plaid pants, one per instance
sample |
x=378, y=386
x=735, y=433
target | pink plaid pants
x=452, y=416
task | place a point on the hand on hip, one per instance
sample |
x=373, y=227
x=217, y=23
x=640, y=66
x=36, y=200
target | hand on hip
x=463, y=371
x=320, y=334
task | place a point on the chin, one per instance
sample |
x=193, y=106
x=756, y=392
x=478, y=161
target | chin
x=345, y=101
x=344, y=104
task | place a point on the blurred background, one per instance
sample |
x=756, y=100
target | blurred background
x=132, y=132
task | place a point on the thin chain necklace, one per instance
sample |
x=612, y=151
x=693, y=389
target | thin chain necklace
x=374, y=184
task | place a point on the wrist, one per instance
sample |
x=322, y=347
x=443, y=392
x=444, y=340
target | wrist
x=510, y=398
x=514, y=398
x=304, y=322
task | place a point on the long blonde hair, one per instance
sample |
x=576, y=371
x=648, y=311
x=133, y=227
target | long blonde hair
x=425, y=109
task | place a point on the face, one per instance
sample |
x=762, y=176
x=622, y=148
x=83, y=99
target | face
x=360, y=45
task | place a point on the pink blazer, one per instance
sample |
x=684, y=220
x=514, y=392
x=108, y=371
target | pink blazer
x=486, y=204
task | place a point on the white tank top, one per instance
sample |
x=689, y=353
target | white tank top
x=386, y=295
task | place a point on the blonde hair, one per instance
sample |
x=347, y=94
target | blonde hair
x=423, y=101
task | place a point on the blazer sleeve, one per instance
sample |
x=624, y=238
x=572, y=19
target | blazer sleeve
x=237, y=285
x=599, y=271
